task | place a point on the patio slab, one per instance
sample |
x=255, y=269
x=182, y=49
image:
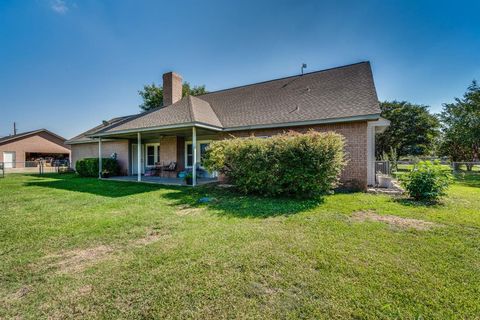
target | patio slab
x=161, y=180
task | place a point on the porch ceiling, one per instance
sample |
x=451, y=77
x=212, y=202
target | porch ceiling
x=154, y=134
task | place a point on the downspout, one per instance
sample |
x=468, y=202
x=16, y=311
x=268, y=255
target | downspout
x=139, y=157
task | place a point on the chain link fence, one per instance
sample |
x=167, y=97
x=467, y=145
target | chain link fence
x=34, y=167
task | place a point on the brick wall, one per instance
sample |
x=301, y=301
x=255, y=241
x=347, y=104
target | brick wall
x=172, y=88
x=355, y=133
x=168, y=149
x=41, y=142
x=90, y=150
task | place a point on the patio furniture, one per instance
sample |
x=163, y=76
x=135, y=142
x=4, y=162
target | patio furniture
x=169, y=169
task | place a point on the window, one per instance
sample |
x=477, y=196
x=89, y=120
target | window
x=189, y=155
x=201, y=149
x=151, y=155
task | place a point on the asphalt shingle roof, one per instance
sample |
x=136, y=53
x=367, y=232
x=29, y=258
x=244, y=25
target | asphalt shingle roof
x=335, y=93
x=26, y=134
x=84, y=136
x=341, y=92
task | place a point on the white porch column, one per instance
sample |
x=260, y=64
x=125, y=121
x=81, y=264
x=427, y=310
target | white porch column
x=371, y=154
x=139, y=157
x=100, y=165
x=194, y=155
x=373, y=127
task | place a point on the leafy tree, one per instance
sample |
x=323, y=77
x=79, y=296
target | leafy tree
x=412, y=131
x=152, y=95
x=461, y=126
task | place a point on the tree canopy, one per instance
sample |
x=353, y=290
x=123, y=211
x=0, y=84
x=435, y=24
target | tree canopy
x=152, y=95
x=461, y=126
x=412, y=131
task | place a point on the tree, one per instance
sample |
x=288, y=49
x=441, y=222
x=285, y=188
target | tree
x=412, y=131
x=461, y=126
x=152, y=95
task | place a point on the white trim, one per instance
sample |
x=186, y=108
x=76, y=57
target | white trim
x=156, y=153
x=374, y=116
x=372, y=128
x=94, y=141
x=172, y=126
x=139, y=156
x=305, y=123
x=199, y=142
x=100, y=164
x=194, y=153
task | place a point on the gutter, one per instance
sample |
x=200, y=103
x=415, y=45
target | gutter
x=374, y=116
x=369, y=117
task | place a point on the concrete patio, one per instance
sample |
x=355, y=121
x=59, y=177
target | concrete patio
x=161, y=180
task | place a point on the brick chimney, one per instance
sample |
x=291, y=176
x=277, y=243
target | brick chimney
x=172, y=88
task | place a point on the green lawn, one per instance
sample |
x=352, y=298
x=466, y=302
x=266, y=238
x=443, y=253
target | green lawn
x=74, y=247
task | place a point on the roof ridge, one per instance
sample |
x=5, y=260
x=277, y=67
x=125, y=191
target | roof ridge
x=287, y=77
x=209, y=106
x=190, y=108
x=27, y=133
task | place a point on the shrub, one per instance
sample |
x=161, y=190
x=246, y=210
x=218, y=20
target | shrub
x=302, y=165
x=426, y=181
x=88, y=167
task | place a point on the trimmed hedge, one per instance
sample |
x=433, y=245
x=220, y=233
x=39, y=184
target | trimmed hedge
x=301, y=165
x=88, y=167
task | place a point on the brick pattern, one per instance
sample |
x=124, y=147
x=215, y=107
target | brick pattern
x=90, y=150
x=168, y=149
x=355, y=133
x=172, y=88
x=41, y=142
x=172, y=148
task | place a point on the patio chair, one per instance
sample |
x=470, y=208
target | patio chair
x=170, y=168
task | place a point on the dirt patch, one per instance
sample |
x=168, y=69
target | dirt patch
x=404, y=223
x=83, y=291
x=19, y=294
x=77, y=260
x=187, y=210
x=152, y=237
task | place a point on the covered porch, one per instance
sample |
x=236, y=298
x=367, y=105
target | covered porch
x=167, y=155
x=162, y=180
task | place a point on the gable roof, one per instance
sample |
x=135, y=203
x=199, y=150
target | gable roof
x=84, y=137
x=187, y=110
x=340, y=94
x=27, y=134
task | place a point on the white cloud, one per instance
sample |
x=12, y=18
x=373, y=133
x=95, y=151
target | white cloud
x=59, y=6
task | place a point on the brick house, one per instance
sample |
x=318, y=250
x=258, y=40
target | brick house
x=341, y=99
x=17, y=151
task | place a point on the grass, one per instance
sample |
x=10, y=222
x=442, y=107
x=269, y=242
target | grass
x=75, y=247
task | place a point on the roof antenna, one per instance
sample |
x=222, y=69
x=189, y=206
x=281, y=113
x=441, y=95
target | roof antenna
x=304, y=66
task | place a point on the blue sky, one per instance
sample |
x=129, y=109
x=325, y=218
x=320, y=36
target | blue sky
x=68, y=64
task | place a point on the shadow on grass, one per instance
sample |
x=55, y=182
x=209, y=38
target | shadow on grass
x=417, y=203
x=226, y=202
x=71, y=182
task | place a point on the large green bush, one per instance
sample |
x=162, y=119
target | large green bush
x=88, y=167
x=426, y=181
x=302, y=165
